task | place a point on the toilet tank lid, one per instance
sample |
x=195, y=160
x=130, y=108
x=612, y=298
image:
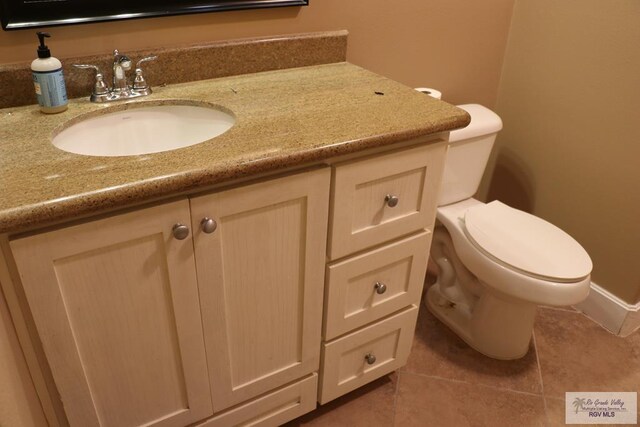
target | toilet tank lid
x=483, y=122
x=526, y=243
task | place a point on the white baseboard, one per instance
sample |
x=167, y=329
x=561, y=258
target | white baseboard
x=614, y=314
x=631, y=323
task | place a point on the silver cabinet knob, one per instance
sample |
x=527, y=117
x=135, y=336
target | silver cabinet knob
x=180, y=231
x=391, y=200
x=380, y=288
x=370, y=358
x=208, y=225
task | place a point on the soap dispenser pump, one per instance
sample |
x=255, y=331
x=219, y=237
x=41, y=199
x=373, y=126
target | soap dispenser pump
x=48, y=79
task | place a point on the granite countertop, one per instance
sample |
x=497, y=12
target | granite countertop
x=284, y=118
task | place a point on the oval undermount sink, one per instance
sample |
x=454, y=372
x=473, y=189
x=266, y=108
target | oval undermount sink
x=144, y=129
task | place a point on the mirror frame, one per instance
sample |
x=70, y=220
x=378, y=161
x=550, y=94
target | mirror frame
x=21, y=14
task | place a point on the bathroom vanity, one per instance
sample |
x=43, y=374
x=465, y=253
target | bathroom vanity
x=235, y=282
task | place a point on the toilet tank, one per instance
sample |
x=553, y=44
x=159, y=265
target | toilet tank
x=469, y=150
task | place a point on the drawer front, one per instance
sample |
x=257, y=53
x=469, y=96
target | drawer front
x=273, y=409
x=345, y=360
x=367, y=287
x=362, y=215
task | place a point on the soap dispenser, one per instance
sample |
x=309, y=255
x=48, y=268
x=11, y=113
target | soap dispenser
x=48, y=79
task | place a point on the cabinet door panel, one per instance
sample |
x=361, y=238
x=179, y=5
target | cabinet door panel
x=116, y=306
x=261, y=275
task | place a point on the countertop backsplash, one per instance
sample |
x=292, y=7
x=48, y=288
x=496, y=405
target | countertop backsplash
x=186, y=63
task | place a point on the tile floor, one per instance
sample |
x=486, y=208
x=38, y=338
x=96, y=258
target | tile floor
x=446, y=383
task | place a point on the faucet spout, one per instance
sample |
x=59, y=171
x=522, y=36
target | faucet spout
x=121, y=64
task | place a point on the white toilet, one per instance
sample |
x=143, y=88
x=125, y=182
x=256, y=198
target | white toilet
x=496, y=263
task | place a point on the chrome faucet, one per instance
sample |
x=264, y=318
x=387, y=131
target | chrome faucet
x=120, y=88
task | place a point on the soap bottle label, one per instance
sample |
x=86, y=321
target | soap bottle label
x=50, y=88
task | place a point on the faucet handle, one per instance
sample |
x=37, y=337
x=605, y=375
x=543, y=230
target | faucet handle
x=88, y=66
x=139, y=82
x=146, y=59
x=99, y=88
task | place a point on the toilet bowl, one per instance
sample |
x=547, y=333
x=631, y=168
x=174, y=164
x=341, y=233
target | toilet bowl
x=496, y=264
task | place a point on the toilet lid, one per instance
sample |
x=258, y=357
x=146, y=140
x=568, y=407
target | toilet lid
x=526, y=243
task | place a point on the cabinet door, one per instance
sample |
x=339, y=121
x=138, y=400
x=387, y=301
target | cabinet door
x=260, y=275
x=115, y=302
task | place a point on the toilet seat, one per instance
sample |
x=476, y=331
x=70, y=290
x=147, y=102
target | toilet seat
x=526, y=243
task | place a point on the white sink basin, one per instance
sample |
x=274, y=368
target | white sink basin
x=144, y=129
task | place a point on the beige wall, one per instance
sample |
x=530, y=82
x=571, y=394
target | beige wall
x=570, y=149
x=454, y=45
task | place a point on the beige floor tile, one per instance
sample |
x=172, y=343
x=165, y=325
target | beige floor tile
x=578, y=355
x=369, y=406
x=426, y=401
x=437, y=351
x=555, y=412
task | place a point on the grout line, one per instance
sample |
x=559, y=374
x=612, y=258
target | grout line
x=569, y=309
x=395, y=399
x=544, y=398
x=508, y=390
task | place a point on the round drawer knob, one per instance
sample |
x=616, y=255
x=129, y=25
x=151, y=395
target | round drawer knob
x=370, y=358
x=380, y=288
x=208, y=225
x=391, y=200
x=180, y=231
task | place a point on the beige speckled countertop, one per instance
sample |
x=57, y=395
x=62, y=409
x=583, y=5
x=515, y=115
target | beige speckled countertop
x=284, y=118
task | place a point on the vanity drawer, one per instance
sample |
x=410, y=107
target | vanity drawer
x=272, y=409
x=362, y=214
x=345, y=364
x=367, y=287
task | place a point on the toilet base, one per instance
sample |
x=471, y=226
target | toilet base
x=500, y=328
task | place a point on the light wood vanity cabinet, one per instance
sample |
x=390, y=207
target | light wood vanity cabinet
x=120, y=304
x=242, y=320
